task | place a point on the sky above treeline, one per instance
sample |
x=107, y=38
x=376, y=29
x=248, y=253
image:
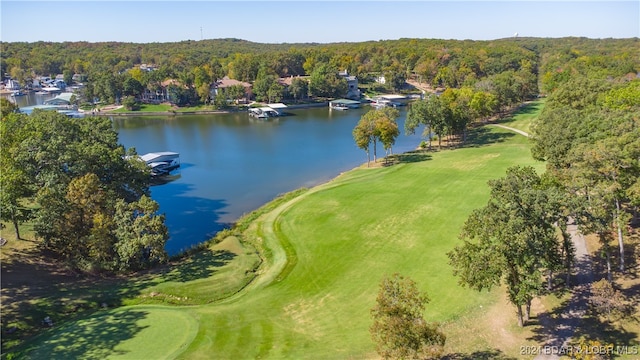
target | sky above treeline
x=312, y=21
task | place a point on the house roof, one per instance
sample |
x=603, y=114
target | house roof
x=171, y=82
x=226, y=82
x=288, y=80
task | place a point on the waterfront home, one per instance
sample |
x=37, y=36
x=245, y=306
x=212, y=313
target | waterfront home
x=226, y=82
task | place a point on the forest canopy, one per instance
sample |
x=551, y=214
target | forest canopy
x=484, y=65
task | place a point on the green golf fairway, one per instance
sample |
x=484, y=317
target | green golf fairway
x=325, y=254
x=343, y=237
x=141, y=332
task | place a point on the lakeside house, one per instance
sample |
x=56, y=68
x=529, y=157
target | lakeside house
x=161, y=93
x=226, y=82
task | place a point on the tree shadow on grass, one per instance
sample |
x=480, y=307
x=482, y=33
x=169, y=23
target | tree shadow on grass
x=407, y=157
x=554, y=328
x=478, y=355
x=483, y=136
x=92, y=338
x=34, y=287
x=197, y=266
x=525, y=109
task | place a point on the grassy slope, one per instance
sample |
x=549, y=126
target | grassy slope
x=340, y=239
x=523, y=118
x=346, y=236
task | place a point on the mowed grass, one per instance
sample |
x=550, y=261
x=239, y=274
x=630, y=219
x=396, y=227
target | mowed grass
x=33, y=289
x=348, y=234
x=122, y=334
x=325, y=253
x=209, y=275
x=146, y=108
x=523, y=118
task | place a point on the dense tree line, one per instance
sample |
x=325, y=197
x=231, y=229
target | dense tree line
x=589, y=135
x=511, y=68
x=85, y=195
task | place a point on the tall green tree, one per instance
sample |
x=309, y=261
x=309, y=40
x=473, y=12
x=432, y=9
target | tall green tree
x=431, y=112
x=266, y=80
x=399, y=329
x=7, y=107
x=512, y=239
x=364, y=134
x=140, y=234
x=235, y=92
x=132, y=87
x=417, y=115
x=609, y=169
x=74, y=171
x=325, y=82
x=387, y=127
x=376, y=125
x=14, y=182
x=299, y=88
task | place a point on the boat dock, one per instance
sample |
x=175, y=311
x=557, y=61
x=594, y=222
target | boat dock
x=161, y=163
x=343, y=104
x=269, y=111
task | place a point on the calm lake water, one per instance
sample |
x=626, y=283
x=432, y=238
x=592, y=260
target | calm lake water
x=232, y=164
x=29, y=99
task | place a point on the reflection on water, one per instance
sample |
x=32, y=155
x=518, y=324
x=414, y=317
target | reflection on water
x=232, y=164
x=29, y=99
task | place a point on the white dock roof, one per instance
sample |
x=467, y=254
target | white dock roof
x=150, y=157
x=277, y=106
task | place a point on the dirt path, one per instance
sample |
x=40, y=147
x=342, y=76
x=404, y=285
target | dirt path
x=421, y=86
x=512, y=129
x=563, y=328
